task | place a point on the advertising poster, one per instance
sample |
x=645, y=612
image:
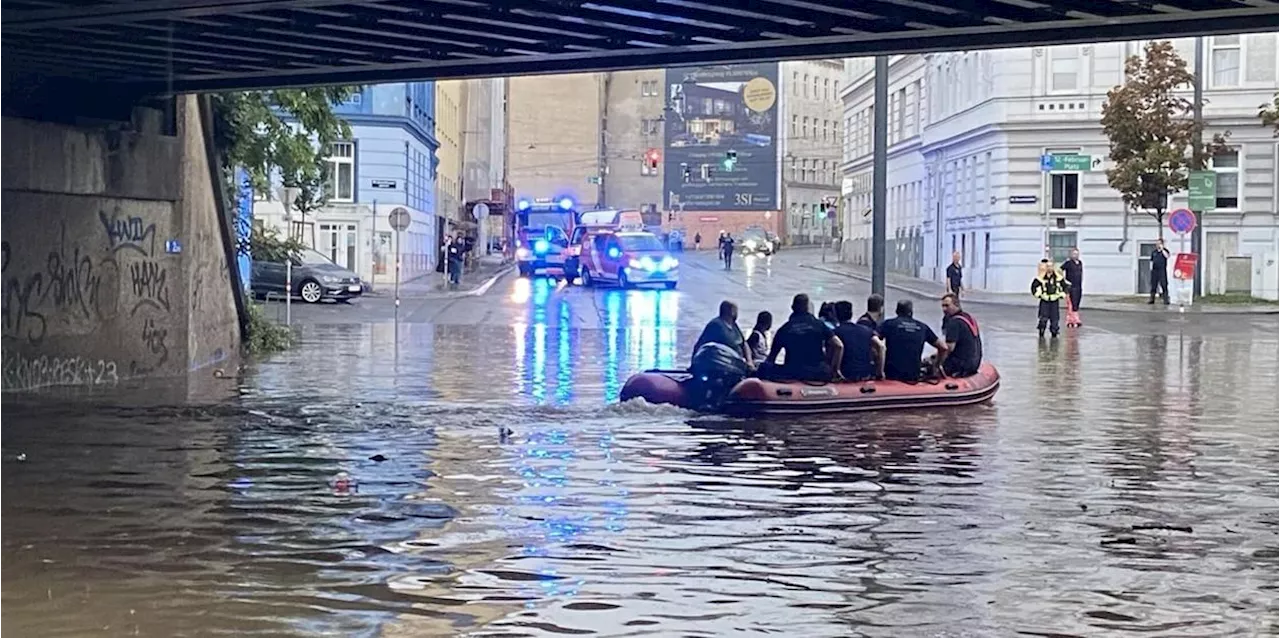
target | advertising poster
x=721, y=138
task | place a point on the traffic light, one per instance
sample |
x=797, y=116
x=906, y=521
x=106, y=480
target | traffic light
x=730, y=160
x=652, y=158
x=685, y=173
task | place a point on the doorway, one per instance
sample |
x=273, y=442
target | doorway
x=338, y=243
x=1219, y=248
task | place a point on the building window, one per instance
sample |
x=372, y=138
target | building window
x=902, y=113
x=649, y=88
x=1227, y=167
x=806, y=85
x=794, y=130
x=1060, y=245
x=649, y=126
x=826, y=89
x=1224, y=60
x=804, y=127
x=1065, y=191
x=795, y=83
x=1260, y=58
x=1064, y=68
x=340, y=172
x=815, y=87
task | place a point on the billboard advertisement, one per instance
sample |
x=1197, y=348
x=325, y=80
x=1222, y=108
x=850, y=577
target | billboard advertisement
x=721, y=138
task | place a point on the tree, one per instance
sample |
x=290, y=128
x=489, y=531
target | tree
x=1270, y=115
x=1153, y=131
x=284, y=131
x=266, y=245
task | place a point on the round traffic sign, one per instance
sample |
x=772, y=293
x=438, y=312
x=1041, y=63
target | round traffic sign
x=399, y=218
x=1182, y=221
x=480, y=211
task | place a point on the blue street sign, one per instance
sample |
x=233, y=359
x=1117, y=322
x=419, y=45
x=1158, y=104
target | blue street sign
x=173, y=246
x=1046, y=163
x=1182, y=221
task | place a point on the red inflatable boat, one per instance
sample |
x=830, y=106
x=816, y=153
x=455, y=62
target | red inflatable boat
x=756, y=397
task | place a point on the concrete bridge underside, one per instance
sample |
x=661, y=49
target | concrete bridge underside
x=118, y=253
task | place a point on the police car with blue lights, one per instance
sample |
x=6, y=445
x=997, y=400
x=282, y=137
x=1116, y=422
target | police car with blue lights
x=541, y=235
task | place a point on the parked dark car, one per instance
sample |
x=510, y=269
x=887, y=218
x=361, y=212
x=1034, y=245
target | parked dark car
x=315, y=278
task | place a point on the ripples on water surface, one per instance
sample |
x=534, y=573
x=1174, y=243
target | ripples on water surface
x=1039, y=515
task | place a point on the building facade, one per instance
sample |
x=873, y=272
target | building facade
x=389, y=162
x=811, y=151
x=484, y=153
x=967, y=133
x=450, y=98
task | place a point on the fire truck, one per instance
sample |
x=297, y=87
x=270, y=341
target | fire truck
x=542, y=228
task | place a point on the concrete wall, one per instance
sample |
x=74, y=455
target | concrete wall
x=91, y=294
x=626, y=186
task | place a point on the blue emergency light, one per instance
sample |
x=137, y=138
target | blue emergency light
x=614, y=253
x=541, y=246
x=566, y=204
x=523, y=204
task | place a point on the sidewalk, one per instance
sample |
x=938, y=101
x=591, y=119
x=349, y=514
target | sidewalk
x=475, y=282
x=926, y=288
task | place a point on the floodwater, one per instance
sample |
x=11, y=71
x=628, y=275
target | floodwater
x=1119, y=486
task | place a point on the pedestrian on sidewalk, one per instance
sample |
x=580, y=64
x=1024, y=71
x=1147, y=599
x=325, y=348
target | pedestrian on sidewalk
x=1049, y=287
x=955, y=275
x=457, y=250
x=1073, y=270
x=720, y=246
x=1160, y=272
x=697, y=241
x=726, y=250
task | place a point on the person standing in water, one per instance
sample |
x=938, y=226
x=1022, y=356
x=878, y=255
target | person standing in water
x=1073, y=271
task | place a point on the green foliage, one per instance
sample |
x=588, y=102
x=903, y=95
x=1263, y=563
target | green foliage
x=1270, y=115
x=266, y=336
x=266, y=244
x=1152, y=130
x=256, y=130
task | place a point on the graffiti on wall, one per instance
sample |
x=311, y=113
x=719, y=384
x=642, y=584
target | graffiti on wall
x=20, y=372
x=89, y=274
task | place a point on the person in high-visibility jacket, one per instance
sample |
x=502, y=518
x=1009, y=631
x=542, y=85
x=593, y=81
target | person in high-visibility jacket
x=1050, y=287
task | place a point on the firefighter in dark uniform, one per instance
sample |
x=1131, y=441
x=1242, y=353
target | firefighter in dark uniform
x=1049, y=287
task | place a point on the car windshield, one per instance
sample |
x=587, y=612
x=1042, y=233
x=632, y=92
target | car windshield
x=640, y=242
x=314, y=258
x=753, y=233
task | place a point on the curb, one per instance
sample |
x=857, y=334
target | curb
x=924, y=293
x=484, y=287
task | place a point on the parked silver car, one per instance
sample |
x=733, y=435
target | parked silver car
x=315, y=278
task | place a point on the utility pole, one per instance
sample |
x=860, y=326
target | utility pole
x=879, y=178
x=602, y=162
x=1198, y=160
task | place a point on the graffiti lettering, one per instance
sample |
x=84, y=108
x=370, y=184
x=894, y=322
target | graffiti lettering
x=153, y=338
x=149, y=285
x=19, y=318
x=128, y=232
x=71, y=280
x=21, y=373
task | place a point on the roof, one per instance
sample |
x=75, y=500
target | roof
x=188, y=45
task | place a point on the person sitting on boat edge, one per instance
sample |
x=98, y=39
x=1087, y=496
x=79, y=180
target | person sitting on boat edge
x=964, y=340
x=724, y=330
x=904, y=338
x=863, y=358
x=827, y=313
x=758, y=342
x=813, y=350
x=874, y=315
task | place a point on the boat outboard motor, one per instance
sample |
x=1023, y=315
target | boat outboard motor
x=716, y=369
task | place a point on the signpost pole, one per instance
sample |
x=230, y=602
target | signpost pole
x=879, y=167
x=1197, y=154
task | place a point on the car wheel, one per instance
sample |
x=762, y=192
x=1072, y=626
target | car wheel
x=570, y=271
x=310, y=291
x=587, y=281
x=623, y=282
x=525, y=271
x=671, y=285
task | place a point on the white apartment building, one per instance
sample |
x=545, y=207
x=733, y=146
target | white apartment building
x=967, y=131
x=810, y=129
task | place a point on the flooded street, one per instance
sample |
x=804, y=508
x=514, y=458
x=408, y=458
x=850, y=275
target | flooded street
x=1123, y=482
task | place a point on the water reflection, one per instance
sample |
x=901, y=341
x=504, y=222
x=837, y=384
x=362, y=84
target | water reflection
x=1058, y=510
